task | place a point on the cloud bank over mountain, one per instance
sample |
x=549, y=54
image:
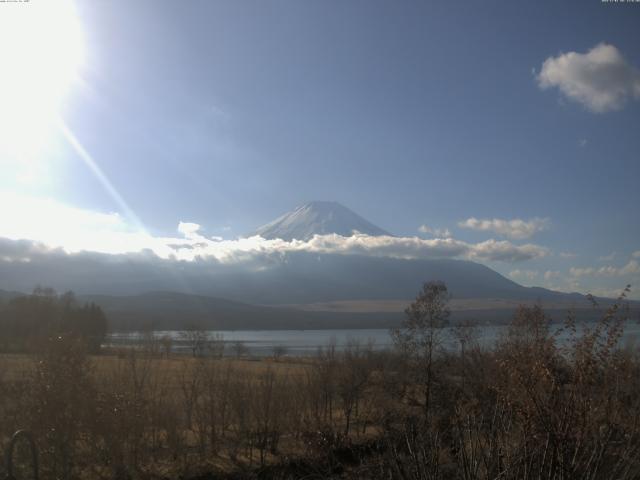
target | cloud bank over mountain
x=43, y=236
x=43, y=225
x=193, y=247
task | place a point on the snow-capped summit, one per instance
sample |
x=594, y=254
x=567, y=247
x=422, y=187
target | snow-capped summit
x=318, y=218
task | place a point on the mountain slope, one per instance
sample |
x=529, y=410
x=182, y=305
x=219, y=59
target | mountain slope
x=318, y=218
x=304, y=277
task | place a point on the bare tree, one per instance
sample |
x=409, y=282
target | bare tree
x=322, y=380
x=167, y=344
x=279, y=351
x=216, y=345
x=240, y=349
x=352, y=380
x=421, y=333
x=196, y=339
x=149, y=341
x=467, y=336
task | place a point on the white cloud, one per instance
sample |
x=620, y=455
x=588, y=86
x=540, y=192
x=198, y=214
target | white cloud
x=631, y=268
x=436, y=232
x=414, y=247
x=582, y=142
x=526, y=274
x=582, y=272
x=606, y=292
x=601, y=79
x=599, y=282
x=551, y=274
x=516, y=228
x=608, y=258
x=505, y=251
x=55, y=225
x=567, y=255
x=636, y=254
x=189, y=230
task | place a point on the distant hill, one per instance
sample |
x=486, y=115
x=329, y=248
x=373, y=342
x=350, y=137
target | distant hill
x=5, y=295
x=175, y=311
x=318, y=218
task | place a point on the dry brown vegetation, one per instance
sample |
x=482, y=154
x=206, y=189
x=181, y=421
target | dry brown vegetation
x=530, y=407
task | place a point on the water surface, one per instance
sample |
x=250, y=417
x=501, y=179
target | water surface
x=306, y=342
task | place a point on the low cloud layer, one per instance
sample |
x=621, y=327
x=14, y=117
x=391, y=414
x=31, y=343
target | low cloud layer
x=414, y=248
x=517, y=229
x=601, y=79
x=56, y=226
x=194, y=247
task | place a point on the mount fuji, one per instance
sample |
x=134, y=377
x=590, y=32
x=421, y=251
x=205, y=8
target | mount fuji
x=318, y=218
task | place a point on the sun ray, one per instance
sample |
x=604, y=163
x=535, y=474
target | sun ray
x=99, y=174
x=113, y=192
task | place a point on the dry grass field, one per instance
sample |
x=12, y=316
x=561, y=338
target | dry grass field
x=526, y=408
x=161, y=415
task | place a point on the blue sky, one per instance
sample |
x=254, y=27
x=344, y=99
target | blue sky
x=228, y=114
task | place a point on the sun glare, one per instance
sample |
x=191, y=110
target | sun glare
x=41, y=51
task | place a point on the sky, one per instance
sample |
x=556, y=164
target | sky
x=510, y=125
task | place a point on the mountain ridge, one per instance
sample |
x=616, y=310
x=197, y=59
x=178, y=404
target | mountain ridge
x=162, y=310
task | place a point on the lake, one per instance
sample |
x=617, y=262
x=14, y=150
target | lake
x=306, y=342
